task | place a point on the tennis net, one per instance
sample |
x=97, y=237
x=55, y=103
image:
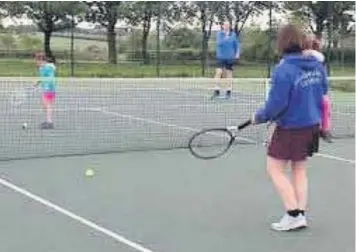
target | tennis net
x=95, y=116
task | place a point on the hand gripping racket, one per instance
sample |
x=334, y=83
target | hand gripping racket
x=214, y=142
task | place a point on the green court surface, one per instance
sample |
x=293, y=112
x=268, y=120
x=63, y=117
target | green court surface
x=167, y=201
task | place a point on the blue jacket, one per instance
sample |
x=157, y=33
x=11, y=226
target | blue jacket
x=298, y=85
x=227, y=47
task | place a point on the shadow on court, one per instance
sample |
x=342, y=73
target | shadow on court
x=170, y=202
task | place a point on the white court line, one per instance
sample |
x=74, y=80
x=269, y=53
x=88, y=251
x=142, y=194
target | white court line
x=345, y=160
x=208, y=105
x=74, y=217
x=136, y=118
x=209, y=96
x=131, y=117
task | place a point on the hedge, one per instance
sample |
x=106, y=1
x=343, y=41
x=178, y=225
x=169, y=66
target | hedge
x=251, y=54
x=345, y=56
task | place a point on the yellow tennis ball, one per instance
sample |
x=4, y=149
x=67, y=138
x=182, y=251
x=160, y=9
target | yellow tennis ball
x=89, y=173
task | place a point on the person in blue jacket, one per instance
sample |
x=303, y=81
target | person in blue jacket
x=294, y=104
x=227, y=53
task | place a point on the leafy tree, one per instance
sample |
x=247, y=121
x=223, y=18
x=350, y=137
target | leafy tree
x=322, y=14
x=106, y=13
x=238, y=12
x=205, y=13
x=48, y=16
x=144, y=13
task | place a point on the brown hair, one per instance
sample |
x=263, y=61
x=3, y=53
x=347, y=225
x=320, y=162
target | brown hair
x=290, y=39
x=310, y=41
x=316, y=44
x=307, y=42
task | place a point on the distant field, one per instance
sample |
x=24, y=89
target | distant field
x=61, y=44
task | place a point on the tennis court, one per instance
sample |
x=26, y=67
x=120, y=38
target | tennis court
x=149, y=194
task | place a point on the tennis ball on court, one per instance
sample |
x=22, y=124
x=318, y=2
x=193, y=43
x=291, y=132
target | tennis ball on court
x=89, y=173
x=24, y=126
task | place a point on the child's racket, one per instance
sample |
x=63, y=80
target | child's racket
x=214, y=142
x=23, y=95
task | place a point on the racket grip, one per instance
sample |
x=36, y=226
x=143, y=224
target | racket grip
x=244, y=125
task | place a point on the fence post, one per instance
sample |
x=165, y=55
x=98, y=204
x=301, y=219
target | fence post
x=269, y=41
x=158, y=45
x=72, y=49
x=330, y=37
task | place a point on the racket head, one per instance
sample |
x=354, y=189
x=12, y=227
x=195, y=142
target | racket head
x=23, y=95
x=211, y=143
x=18, y=97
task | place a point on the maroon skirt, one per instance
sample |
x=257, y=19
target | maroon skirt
x=294, y=144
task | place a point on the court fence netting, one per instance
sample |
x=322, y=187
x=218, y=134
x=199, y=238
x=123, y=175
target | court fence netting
x=94, y=116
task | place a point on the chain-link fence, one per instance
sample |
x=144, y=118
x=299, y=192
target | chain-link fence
x=161, y=52
x=179, y=56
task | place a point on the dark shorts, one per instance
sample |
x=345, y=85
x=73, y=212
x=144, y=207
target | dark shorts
x=294, y=144
x=226, y=64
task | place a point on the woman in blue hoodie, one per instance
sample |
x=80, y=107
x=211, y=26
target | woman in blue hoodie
x=294, y=104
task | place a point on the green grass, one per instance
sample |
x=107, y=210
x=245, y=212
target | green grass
x=62, y=44
x=27, y=68
x=342, y=91
x=24, y=67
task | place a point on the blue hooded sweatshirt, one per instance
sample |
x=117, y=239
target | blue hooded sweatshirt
x=298, y=86
x=227, y=46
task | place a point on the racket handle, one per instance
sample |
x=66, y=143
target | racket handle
x=244, y=125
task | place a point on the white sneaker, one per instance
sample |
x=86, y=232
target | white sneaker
x=288, y=223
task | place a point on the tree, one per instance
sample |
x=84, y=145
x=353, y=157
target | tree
x=334, y=16
x=144, y=13
x=48, y=16
x=106, y=14
x=241, y=11
x=205, y=13
x=323, y=14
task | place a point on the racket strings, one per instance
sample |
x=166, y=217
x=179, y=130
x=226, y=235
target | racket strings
x=211, y=144
x=23, y=95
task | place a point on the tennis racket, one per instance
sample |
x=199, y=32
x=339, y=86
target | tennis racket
x=23, y=95
x=214, y=142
